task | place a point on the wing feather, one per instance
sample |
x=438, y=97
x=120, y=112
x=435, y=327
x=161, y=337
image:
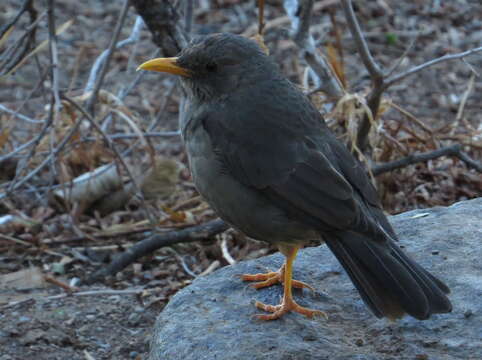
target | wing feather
x=298, y=162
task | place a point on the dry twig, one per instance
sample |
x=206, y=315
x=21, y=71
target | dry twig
x=453, y=150
x=213, y=266
x=225, y=250
x=14, y=184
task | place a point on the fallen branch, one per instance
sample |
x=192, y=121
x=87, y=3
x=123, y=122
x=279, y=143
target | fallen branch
x=29, y=245
x=147, y=246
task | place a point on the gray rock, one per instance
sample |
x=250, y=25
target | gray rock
x=212, y=318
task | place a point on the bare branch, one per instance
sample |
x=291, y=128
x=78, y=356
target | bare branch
x=401, y=58
x=94, y=72
x=396, y=78
x=453, y=150
x=101, y=59
x=17, y=150
x=374, y=70
x=379, y=87
x=20, y=116
x=149, y=245
x=300, y=15
x=14, y=184
x=110, y=51
x=54, y=57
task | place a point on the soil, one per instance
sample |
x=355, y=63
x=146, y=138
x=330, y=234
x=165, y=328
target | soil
x=113, y=319
x=100, y=326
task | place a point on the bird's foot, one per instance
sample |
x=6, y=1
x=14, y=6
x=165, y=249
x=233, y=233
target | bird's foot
x=272, y=278
x=286, y=306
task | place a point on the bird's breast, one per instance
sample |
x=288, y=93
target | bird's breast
x=243, y=207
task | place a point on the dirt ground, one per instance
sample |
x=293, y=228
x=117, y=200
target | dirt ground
x=100, y=326
x=47, y=312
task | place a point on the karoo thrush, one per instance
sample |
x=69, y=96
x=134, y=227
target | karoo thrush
x=262, y=156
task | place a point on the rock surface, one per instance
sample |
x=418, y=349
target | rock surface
x=212, y=318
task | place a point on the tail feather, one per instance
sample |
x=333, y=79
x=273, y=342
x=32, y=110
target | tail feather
x=368, y=289
x=390, y=283
x=434, y=288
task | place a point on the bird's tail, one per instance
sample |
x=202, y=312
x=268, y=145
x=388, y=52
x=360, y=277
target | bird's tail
x=390, y=283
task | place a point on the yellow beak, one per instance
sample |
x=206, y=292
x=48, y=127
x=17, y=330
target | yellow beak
x=168, y=65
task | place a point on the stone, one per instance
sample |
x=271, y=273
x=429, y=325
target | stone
x=212, y=318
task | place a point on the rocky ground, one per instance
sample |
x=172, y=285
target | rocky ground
x=213, y=318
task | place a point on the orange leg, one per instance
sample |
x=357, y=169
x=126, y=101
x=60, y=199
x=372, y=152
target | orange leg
x=287, y=304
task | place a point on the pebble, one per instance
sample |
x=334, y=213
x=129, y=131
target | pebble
x=24, y=319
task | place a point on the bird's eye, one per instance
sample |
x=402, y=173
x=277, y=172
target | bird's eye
x=211, y=67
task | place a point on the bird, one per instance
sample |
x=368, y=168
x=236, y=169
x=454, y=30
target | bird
x=262, y=156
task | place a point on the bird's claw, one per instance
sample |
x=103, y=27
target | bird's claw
x=272, y=278
x=285, y=307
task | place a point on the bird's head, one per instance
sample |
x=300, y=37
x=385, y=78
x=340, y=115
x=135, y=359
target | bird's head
x=215, y=65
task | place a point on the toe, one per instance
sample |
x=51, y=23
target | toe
x=266, y=307
x=300, y=285
x=259, y=277
x=269, y=282
x=310, y=313
x=267, y=317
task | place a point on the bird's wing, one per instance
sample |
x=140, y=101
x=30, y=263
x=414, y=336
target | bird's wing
x=282, y=148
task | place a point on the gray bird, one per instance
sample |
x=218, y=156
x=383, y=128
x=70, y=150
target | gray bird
x=262, y=156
